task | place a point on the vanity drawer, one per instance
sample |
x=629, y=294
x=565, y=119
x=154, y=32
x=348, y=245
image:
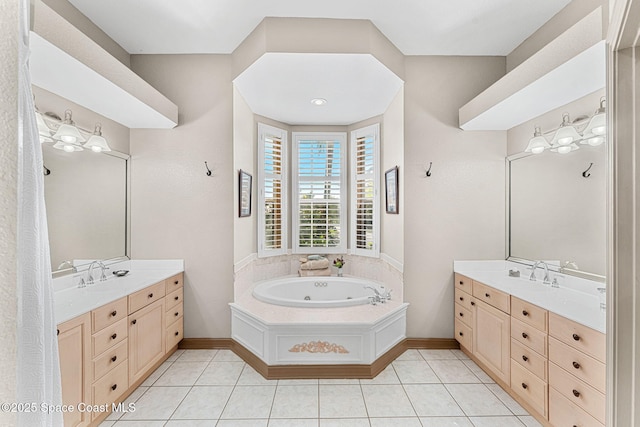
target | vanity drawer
x=108, y=337
x=463, y=298
x=529, y=336
x=108, y=314
x=174, y=298
x=464, y=315
x=529, y=313
x=529, y=359
x=463, y=335
x=110, y=387
x=110, y=359
x=528, y=386
x=174, y=283
x=492, y=296
x=175, y=333
x=586, y=368
x=146, y=296
x=578, y=336
x=578, y=392
x=563, y=412
x=174, y=314
x=463, y=283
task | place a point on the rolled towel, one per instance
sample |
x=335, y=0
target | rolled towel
x=320, y=264
x=313, y=273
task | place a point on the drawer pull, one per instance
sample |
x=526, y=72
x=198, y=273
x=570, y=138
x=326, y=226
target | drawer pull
x=461, y=334
x=176, y=282
x=576, y=365
x=525, y=313
x=473, y=303
x=151, y=295
x=176, y=314
x=114, y=336
x=58, y=333
x=134, y=321
x=176, y=298
x=576, y=337
x=113, y=313
x=115, y=386
x=524, y=386
x=524, y=335
x=461, y=314
x=461, y=282
x=576, y=393
x=177, y=333
x=525, y=358
x=461, y=299
x=487, y=295
x=114, y=358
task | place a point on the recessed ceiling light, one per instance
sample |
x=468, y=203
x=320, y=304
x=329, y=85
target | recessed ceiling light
x=318, y=101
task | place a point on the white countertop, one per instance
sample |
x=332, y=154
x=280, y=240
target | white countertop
x=71, y=301
x=576, y=299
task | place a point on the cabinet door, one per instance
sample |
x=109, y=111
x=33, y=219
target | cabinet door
x=74, y=348
x=491, y=338
x=146, y=339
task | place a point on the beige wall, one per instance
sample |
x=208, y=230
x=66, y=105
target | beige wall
x=177, y=210
x=9, y=18
x=458, y=212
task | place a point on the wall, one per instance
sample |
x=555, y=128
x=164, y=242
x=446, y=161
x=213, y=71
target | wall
x=458, y=212
x=9, y=18
x=177, y=210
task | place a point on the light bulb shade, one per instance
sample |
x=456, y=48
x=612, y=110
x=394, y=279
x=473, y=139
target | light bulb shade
x=97, y=144
x=68, y=147
x=593, y=141
x=565, y=135
x=69, y=134
x=538, y=143
x=597, y=126
x=564, y=149
x=43, y=129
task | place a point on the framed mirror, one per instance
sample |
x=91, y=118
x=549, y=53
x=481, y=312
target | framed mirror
x=86, y=201
x=557, y=209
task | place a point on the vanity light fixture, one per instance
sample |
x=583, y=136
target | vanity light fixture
x=566, y=134
x=68, y=133
x=564, y=149
x=318, y=101
x=538, y=143
x=96, y=142
x=598, y=124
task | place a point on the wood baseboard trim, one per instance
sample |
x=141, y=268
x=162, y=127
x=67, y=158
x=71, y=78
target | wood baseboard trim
x=274, y=372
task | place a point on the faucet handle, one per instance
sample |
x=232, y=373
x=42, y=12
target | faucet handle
x=81, y=283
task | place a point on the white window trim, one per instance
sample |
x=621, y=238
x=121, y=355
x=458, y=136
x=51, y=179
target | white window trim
x=295, y=195
x=365, y=131
x=263, y=130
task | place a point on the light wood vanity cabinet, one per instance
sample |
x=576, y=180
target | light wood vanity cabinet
x=74, y=349
x=491, y=332
x=146, y=329
x=174, y=315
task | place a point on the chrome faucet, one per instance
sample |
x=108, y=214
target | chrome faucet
x=90, y=272
x=381, y=296
x=545, y=280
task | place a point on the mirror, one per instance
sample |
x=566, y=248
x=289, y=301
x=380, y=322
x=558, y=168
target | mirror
x=86, y=200
x=556, y=213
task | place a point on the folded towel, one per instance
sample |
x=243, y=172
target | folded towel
x=313, y=273
x=315, y=257
x=315, y=265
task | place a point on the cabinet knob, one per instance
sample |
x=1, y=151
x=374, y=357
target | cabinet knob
x=58, y=333
x=113, y=337
x=151, y=295
x=461, y=334
x=524, y=335
x=176, y=314
x=576, y=393
x=176, y=298
x=487, y=295
x=576, y=365
x=461, y=299
x=114, y=358
x=134, y=321
x=576, y=337
x=473, y=303
x=176, y=282
x=525, y=313
x=115, y=386
x=461, y=314
x=177, y=333
x=461, y=282
x=525, y=358
x=113, y=313
x=524, y=386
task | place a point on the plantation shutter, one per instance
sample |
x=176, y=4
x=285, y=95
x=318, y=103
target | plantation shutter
x=320, y=193
x=364, y=189
x=272, y=224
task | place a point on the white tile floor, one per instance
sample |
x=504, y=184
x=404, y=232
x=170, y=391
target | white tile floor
x=421, y=388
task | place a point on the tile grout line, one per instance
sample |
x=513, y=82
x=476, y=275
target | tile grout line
x=232, y=390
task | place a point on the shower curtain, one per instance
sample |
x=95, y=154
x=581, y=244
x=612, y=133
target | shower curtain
x=38, y=369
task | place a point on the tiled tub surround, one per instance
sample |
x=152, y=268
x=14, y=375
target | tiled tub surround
x=545, y=345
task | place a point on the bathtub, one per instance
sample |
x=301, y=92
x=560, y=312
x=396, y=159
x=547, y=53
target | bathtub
x=318, y=292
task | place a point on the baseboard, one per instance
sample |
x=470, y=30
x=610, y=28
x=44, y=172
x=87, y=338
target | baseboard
x=275, y=372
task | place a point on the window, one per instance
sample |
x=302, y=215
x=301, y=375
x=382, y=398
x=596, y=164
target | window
x=318, y=192
x=272, y=213
x=365, y=185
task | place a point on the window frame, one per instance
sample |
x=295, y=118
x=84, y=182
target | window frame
x=373, y=130
x=264, y=130
x=341, y=137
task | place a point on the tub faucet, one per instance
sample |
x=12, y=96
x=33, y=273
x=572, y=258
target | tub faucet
x=545, y=280
x=381, y=296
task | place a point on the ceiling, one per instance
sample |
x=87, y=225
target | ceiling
x=415, y=27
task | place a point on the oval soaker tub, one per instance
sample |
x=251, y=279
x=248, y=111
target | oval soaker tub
x=325, y=291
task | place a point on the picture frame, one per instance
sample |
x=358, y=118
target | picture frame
x=391, y=190
x=244, y=195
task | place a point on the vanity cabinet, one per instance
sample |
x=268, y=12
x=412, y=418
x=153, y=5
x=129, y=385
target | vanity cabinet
x=74, y=349
x=491, y=337
x=174, y=315
x=464, y=309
